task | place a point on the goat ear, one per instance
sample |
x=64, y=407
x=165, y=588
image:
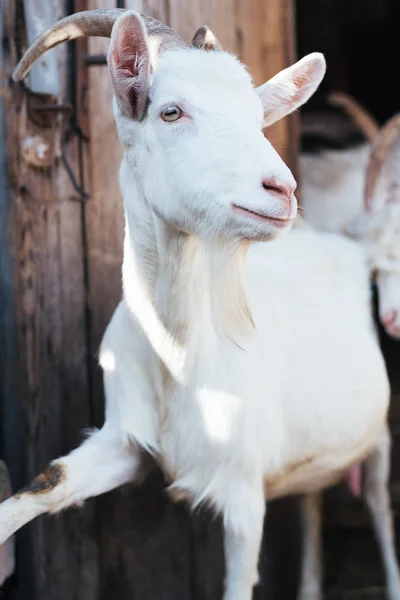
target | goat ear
x=290, y=88
x=129, y=62
x=204, y=39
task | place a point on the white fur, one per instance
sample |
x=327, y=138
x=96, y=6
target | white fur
x=332, y=186
x=236, y=365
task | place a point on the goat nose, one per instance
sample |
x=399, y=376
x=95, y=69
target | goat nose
x=283, y=191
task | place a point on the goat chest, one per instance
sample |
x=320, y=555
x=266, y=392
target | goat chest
x=298, y=401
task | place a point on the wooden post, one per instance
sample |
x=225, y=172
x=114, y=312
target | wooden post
x=44, y=293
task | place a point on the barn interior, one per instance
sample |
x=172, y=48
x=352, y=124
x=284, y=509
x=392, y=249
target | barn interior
x=359, y=39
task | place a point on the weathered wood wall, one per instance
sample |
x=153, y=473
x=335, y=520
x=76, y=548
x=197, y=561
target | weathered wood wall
x=45, y=291
x=61, y=259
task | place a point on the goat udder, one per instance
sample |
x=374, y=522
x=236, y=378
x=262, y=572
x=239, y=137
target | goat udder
x=353, y=479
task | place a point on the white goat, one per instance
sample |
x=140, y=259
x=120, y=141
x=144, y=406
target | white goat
x=241, y=397
x=335, y=199
x=334, y=185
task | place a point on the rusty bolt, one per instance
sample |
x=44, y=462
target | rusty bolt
x=37, y=152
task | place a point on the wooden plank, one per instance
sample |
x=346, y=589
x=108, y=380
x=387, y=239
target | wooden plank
x=57, y=556
x=146, y=550
x=105, y=226
x=219, y=15
x=159, y=9
x=10, y=440
x=55, y=401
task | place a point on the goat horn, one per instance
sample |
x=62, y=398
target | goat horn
x=357, y=113
x=205, y=39
x=89, y=23
x=381, y=147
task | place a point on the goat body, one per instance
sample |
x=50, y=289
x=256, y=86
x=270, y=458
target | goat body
x=237, y=365
x=262, y=410
x=287, y=410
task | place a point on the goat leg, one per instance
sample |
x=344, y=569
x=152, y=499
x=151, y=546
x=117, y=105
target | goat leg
x=100, y=464
x=311, y=569
x=243, y=526
x=377, y=472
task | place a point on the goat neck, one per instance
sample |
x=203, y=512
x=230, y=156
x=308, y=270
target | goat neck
x=181, y=287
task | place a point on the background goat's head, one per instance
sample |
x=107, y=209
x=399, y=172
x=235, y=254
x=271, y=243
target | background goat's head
x=379, y=225
x=336, y=163
x=190, y=122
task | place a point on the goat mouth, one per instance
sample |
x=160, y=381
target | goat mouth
x=250, y=214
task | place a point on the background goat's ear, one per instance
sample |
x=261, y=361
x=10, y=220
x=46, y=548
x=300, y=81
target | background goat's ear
x=204, y=39
x=290, y=88
x=129, y=63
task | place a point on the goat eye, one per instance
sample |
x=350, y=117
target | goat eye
x=171, y=113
